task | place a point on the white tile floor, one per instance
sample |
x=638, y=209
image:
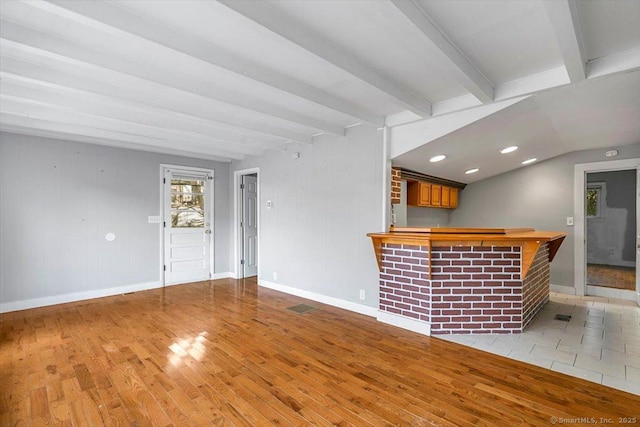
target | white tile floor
x=601, y=342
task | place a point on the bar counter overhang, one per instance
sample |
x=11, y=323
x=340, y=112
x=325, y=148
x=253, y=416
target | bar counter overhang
x=463, y=280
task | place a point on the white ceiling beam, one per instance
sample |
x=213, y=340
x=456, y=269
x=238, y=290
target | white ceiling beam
x=38, y=75
x=49, y=112
x=261, y=13
x=44, y=130
x=411, y=136
x=104, y=107
x=172, y=38
x=563, y=17
x=532, y=84
x=119, y=139
x=464, y=71
x=620, y=62
x=21, y=37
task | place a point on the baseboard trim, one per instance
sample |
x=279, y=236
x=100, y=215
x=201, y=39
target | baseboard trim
x=417, y=326
x=600, y=291
x=336, y=302
x=76, y=296
x=568, y=290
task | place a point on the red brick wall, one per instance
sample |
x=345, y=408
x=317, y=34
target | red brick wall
x=404, y=285
x=395, y=185
x=536, y=285
x=491, y=300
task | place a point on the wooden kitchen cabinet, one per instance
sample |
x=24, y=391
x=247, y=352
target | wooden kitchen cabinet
x=436, y=195
x=444, y=198
x=453, y=198
x=430, y=195
x=418, y=194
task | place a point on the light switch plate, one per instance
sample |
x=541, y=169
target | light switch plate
x=153, y=219
x=569, y=220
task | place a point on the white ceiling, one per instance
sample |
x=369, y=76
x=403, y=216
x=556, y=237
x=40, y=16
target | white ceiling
x=226, y=79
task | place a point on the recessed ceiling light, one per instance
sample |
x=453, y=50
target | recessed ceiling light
x=526, y=162
x=470, y=171
x=437, y=158
x=509, y=149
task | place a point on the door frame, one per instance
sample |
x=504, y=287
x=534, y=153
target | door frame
x=211, y=206
x=580, y=224
x=238, y=272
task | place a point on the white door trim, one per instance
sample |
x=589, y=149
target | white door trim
x=164, y=166
x=237, y=214
x=580, y=171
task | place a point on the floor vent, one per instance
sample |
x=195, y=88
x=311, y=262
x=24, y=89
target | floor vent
x=563, y=317
x=302, y=308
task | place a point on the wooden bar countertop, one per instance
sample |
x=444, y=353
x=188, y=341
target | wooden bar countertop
x=527, y=238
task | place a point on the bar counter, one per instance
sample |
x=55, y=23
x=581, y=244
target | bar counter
x=463, y=280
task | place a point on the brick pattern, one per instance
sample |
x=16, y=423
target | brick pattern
x=536, y=285
x=395, y=185
x=404, y=281
x=471, y=289
x=490, y=300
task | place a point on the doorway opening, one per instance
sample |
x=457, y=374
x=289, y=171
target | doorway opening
x=246, y=208
x=607, y=233
x=187, y=224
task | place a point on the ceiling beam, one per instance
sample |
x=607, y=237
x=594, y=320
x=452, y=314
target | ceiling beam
x=172, y=38
x=411, y=136
x=114, y=109
x=19, y=121
x=261, y=13
x=49, y=112
x=39, y=75
x=534, y=83
x=44, y=131
x=464, y=71
x=619, y=62
x=43, y=44
x=563, y=17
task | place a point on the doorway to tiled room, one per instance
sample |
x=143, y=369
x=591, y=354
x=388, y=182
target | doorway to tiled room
x=610, y=213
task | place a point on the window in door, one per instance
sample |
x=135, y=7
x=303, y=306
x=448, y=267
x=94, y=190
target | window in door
x=187, y=203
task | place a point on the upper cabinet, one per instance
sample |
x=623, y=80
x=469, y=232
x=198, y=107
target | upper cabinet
x=418, y=194
x=424, y=190
x=427, y=194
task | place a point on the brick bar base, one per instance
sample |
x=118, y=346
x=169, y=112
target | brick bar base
x=472, y=290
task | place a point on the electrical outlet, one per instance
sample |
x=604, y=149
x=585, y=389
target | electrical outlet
x=275, y=275
x=153, y=219
x=569, y=220
x=361, y=294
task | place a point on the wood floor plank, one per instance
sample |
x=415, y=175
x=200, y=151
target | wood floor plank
x=227, y=353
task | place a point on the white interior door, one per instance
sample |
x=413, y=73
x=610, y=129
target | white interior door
x=249, y=225
x=187, y=225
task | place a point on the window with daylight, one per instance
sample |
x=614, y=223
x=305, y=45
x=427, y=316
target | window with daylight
x=187, y=203
x=594, y=199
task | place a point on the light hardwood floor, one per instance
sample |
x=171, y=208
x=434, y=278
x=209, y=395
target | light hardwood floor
x=227, y=352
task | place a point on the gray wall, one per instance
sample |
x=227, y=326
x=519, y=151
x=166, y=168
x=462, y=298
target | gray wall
x=324, y=203
x=58, y=199
x=414, y=216
x=611, y=238
x=540, y=196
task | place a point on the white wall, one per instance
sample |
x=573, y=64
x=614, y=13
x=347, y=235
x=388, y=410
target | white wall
x=58, y=199
x=540, y=196
x=324, y=203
